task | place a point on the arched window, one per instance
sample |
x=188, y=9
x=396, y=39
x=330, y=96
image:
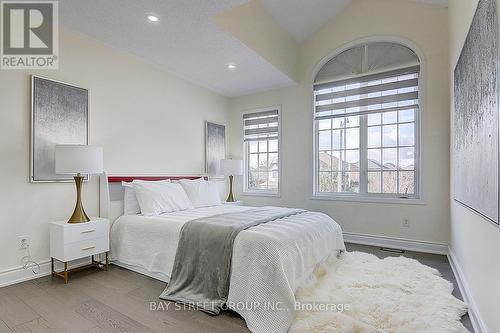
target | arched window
x=366, y=123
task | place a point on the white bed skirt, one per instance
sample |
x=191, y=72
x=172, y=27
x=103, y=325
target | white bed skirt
x=138, y=269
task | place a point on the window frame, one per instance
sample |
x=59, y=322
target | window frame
x=253, y=192
x=364, y=195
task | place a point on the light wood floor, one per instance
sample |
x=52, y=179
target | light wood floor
x=119, y=301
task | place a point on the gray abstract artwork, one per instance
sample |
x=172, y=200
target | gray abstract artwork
x=476, y=115
x=215, y=149
x=59, y=116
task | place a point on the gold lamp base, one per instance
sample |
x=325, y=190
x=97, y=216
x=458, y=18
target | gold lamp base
x=79, y=215
x=230, y=197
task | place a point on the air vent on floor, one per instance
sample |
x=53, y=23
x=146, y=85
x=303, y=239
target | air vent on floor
x=388, y=249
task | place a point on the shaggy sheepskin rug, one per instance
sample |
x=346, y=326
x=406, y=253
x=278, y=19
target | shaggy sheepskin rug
x=361, y=293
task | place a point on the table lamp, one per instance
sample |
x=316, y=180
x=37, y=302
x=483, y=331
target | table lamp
x=231, y=168
x=77, y=160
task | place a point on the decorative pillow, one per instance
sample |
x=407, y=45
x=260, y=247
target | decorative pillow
x=160, y=197
x=202, y=193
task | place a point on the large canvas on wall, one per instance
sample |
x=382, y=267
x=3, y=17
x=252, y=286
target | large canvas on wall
x=59, y=115
x=476, y=119
x=215, y=149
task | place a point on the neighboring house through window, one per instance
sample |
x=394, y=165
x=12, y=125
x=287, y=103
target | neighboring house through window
x=366, y=123
x=262, y=151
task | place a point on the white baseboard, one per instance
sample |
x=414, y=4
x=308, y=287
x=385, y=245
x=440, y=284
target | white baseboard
x=475, y=317
x=19, y=274
x=396, y=243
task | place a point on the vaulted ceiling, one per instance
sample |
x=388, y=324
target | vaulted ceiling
x=188, y=42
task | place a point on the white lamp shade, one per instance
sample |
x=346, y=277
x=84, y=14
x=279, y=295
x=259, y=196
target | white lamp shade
x=231, y=167
x=72, y=159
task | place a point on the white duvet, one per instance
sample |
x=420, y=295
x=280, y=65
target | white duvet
x=270, y=261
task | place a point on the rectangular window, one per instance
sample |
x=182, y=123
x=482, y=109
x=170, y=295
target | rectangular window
x=262, y=152
x=366, y=135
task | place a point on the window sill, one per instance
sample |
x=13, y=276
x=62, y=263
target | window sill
x=399, y=201
x=261, y=194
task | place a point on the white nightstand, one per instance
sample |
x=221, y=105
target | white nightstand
x=234, y=203
x=71, y=241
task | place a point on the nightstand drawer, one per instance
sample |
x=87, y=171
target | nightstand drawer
x=70, y=233
x=89, y=230
x=85, y=248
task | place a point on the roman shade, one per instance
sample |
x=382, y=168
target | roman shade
x=389, y=91
x=261, y=125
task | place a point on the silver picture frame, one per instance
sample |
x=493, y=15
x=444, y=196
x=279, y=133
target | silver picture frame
x=59, y=115
x=476, y=118
x=215, y=148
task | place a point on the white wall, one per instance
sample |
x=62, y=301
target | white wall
x=423, y=25
x=147, y=120
x=475, y=242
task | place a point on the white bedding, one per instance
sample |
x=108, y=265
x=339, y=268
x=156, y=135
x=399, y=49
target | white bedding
x=270, y=261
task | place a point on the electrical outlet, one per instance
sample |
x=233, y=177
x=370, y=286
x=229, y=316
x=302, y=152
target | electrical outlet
x=406, y=223
x=24, y=242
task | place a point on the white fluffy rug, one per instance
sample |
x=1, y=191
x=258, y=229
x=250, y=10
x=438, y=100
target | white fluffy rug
x=395, y=294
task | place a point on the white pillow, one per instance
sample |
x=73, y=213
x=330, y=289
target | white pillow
x=202, y=193
x=160, y=197
x=130, y=203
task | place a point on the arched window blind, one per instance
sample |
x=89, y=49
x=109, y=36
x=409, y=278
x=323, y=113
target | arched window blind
x=366, y=109
x=367, y=58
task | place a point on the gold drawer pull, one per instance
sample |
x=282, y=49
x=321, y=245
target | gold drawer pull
x=88, y=231
x=88, y=248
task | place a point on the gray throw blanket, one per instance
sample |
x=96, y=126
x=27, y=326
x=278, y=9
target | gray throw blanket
x=202, y=268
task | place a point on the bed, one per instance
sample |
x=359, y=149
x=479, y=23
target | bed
x=270, y=261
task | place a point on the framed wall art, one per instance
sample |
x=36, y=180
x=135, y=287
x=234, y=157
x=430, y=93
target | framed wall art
x=215, y=148
x=59, y=115
x=476, y=119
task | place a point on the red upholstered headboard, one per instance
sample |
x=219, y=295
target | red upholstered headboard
x=119, y=179
x=110, y=189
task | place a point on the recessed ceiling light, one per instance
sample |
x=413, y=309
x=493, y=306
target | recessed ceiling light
x=153, y=18
x=231, y=66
